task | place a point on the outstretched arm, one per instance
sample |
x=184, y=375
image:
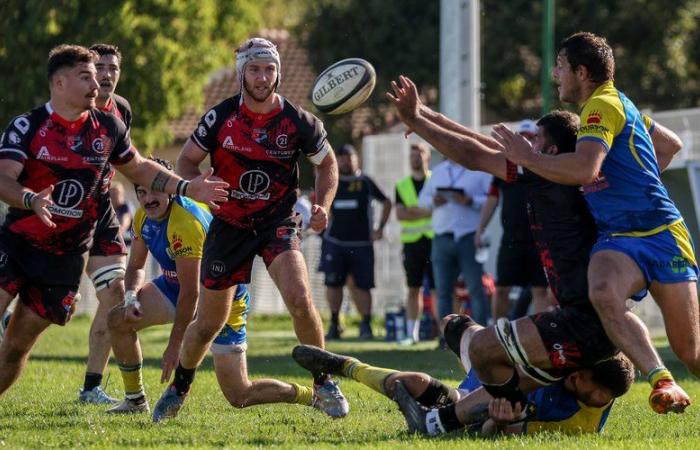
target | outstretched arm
x=464, y=146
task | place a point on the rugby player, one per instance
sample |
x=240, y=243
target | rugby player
x=172, y=229
x=546, y=345
x=107, y=261
x=53, y=162
x=643, y=243
x=254, y=140
x=578, y=403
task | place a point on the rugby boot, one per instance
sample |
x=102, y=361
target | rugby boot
x=667, y=397
x=414, y=413
x=334, y=332
x=96, y=396
x=318, y=361
x=131, y=406
x=168, y=405
x=329, y=399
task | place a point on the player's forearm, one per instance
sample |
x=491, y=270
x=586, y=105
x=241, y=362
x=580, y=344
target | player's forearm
x=487, y=211
x=448, y=124
x=411, y=213
x=154, y=176
x=386, y=212
x=566, y=168
x=186, y=168
x=461, y=149
x=326, y=183
x=13, y=193
x=134, y=278
x=666, y=145
x=184, y=313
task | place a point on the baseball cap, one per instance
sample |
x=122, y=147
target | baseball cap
x=346, y=149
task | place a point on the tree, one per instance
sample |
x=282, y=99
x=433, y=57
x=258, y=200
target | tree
x=169, y=48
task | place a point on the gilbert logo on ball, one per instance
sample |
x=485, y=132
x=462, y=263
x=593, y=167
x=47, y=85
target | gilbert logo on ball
x=343, y=86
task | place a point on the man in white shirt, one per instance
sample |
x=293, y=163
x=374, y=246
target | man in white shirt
x=456, y=195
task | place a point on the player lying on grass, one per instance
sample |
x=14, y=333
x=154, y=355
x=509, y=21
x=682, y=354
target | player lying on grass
x=173, y=229
x=578, y=403
x=564, y=233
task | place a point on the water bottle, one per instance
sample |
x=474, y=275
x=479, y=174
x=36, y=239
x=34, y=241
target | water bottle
x=390, y=326
x=400, y=324
x=481, y=255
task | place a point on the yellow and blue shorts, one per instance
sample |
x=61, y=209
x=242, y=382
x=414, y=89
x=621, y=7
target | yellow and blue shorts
x=665, y=255
x=232, y=338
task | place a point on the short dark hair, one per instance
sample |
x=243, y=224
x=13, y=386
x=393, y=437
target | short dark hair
x=616, y=374
x=592, y=52
x=66, y=55
x=560, y=128
x=107, y=49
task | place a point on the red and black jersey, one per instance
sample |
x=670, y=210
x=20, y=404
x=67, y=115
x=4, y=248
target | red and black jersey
x=120, y=107
x=257, y=155
x=563, y=230
x=71, y=156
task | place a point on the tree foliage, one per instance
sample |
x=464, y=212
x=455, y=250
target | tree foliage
x=169, y=49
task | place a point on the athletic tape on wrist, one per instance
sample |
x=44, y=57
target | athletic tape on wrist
x=181, y=188
x=27, y=198
x=130, y=298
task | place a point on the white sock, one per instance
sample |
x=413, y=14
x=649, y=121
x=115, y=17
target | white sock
x=414, y=329
x=433, y=423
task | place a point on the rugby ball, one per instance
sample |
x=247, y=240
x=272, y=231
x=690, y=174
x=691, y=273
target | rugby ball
x=343, y=86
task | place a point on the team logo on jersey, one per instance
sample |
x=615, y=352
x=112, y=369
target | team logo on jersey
x=282, y=140
x=22, y=124
x=210, y=118
x=259, y=135
x=594, y=117
x=13, y=138
x=75, y=143
x=229, y=145
x=67, y=194
x=46, y=156
x=102, y=145
x=253, y=185
x=217, y=268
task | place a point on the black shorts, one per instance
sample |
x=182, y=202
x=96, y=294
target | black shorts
x=519, y=265
x=229, y=251
x=574, y=338
x=45, y=282
x=339, y=261
x=416, y=263
x=108, y=241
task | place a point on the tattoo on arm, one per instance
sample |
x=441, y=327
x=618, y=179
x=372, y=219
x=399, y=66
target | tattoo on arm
x=160, y=181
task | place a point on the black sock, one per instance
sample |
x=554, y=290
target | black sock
x=92, y=380
x=183, y=379
x=367, y=318
x=320, y=379
x=448, y=418
x=437, y=394
x=335, y=317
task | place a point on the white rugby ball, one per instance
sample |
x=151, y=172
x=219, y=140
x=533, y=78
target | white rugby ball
x=343, y=86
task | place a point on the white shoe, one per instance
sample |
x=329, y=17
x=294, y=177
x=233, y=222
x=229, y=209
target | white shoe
x=96, y=396
x=329, y=399
x=131, y=406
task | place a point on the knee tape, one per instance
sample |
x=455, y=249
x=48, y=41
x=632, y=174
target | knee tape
x=509, y=390
x=102, y=277
x=454, y=330
x=508, y=337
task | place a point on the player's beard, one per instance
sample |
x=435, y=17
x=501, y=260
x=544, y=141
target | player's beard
x=255, y=95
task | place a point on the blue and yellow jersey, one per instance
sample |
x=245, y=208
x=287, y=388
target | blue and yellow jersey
x=628, y=195
x=180, y=235
x=556, y=409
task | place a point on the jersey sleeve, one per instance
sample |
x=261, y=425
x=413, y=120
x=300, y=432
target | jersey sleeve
x=137, y=224
x=123, y=151
x=208, y=128
x=649, y=123
x=185, y=234
x=14, y=142
x=124, y=108
x=374, y=190
x=601, y=121
x=314, y=139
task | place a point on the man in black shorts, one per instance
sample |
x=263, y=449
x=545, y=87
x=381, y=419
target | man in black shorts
x=347, y=248
x=254, y=141
x=53, y=163
x=416, y=236
x=518, y=262
x=545, y=347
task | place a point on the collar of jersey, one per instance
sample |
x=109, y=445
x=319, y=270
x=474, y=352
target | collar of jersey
x=260, y=117
x=69, y=125
x=599, y=90
x=108, y=106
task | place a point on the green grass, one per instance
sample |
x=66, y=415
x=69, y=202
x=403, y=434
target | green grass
x=41, y=409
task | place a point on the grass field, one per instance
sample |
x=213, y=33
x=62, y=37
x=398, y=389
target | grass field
x=41, y=409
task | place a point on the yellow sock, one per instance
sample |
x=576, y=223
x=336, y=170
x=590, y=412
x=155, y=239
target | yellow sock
x=659, y=373
x=304, y=394
x=370, y=376
x=133, y=380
